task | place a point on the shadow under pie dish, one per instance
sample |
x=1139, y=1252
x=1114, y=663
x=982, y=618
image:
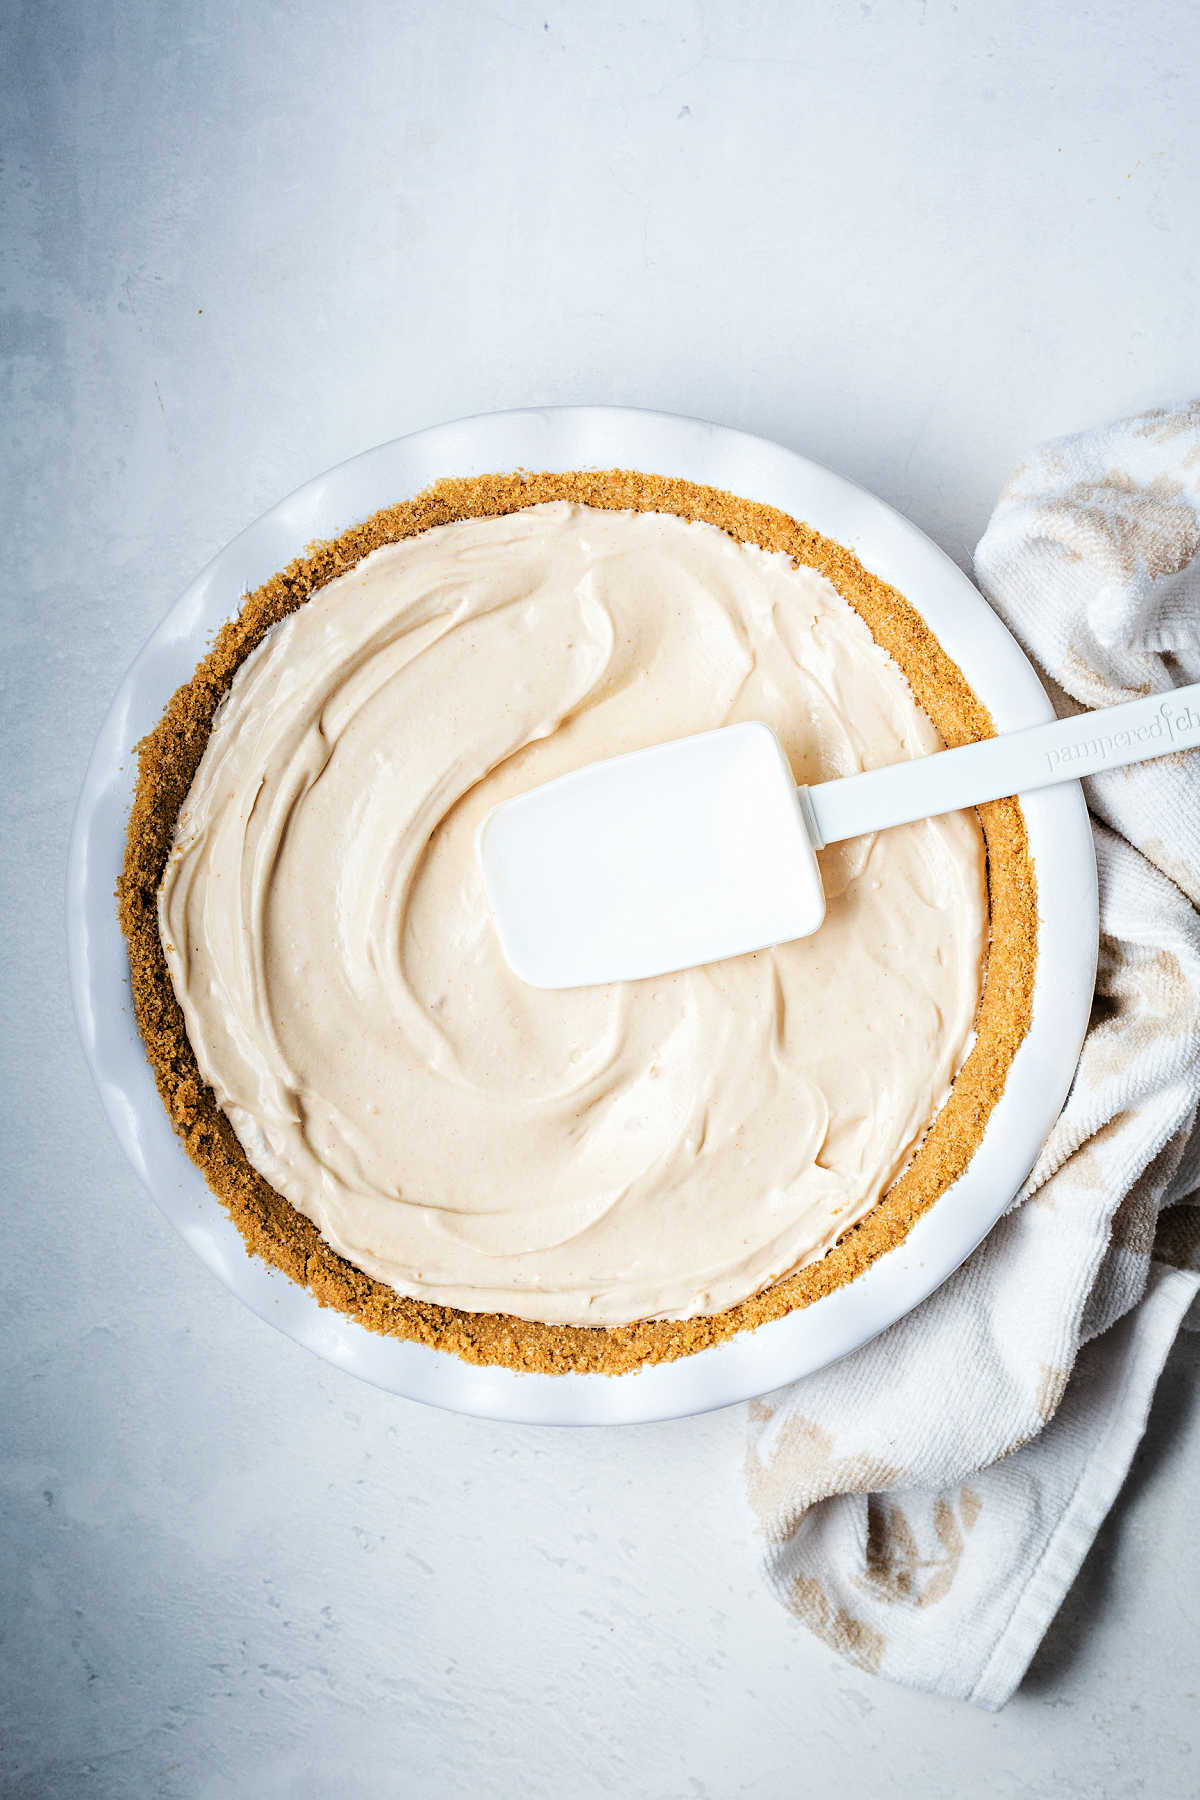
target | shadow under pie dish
x=359, y=714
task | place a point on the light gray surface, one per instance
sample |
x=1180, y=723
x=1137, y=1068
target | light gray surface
x=243, y=243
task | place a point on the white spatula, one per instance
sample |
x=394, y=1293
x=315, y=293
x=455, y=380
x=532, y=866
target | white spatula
x=704, y=847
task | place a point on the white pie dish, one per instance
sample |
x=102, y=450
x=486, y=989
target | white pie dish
x=753, y=1362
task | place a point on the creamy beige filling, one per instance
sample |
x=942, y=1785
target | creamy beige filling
x=655, y=1149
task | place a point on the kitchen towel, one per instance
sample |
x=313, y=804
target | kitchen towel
x=926, y=1502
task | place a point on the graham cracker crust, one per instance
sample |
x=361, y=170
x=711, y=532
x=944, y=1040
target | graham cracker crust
x=273, y=1229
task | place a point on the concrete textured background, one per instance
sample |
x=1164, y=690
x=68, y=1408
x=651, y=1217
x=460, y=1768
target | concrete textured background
x=241, y=243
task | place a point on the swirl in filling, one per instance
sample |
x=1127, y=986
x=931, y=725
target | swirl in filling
x=661, y=1148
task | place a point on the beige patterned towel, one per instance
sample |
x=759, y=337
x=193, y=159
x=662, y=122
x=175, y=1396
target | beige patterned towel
x=926, y=1502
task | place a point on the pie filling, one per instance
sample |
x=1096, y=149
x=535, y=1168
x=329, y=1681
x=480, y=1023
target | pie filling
x=651, y=1150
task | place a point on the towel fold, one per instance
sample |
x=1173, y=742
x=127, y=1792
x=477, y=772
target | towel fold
x=927, y=1501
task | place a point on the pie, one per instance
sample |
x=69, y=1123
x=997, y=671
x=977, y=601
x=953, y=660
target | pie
x=600, y=1178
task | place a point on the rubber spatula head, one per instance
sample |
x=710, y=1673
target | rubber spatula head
x=684, y=853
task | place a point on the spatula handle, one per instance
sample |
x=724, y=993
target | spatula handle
x=1014, y=763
